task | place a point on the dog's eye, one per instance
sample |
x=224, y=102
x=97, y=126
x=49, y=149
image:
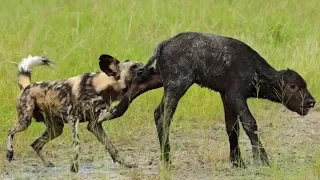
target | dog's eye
x=293, y=87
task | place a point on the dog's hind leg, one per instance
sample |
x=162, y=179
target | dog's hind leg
x=25, y=112
x=54, y=128
x=97, y=130
x=18, y=128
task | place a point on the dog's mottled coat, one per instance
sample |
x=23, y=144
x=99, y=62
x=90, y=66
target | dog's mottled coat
x=73, y=100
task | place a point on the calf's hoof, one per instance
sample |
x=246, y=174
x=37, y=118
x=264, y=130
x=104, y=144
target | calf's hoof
x=49, y=164
x=239, y=164
x=260, y=158
x=74, y=167
x=167, y=165
x=262, y=162
x=9, y=155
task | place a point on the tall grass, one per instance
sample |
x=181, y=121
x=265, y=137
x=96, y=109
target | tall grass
x=74, y=34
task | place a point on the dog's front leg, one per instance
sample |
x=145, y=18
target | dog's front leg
x=98, y=131
x=74, y=123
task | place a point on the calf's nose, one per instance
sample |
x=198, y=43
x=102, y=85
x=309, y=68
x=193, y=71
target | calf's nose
x=311, y=103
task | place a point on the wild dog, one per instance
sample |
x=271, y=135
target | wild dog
x=74, y=100
x=222, y=64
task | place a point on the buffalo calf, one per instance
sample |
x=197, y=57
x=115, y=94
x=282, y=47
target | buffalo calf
x=225, y=65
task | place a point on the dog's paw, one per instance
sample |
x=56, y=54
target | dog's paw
x=123, y=162
x=74, y=167
x=130, y=165
x=126, y=164
x=9, y=155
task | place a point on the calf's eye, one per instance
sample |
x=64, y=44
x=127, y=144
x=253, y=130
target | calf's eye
x=293, y=87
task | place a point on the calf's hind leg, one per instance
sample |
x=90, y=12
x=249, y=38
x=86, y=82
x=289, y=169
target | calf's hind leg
x=164, y=113
x=97, y=130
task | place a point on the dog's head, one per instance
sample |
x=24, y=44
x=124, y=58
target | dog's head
x=124, y=72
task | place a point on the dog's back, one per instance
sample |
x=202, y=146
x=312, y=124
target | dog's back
x=97, y=89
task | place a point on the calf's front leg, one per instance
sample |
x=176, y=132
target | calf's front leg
x=250, y=126
x=232, y=127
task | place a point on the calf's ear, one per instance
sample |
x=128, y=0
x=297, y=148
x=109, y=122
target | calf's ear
x=109, y=65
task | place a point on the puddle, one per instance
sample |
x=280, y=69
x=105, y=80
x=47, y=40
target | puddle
x=201, y=154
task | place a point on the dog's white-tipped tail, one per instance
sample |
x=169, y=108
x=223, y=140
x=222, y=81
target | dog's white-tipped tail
x=29, y=62
x=25, y=68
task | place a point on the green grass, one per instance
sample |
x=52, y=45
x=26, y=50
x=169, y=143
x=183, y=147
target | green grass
x=75, y=33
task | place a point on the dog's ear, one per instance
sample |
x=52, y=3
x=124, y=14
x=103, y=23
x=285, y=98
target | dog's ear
x=109, y=65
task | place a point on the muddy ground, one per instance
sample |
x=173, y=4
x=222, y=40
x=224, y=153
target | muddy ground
x=199, y=151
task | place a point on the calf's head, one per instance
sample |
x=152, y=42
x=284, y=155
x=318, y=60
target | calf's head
x=291, y=89
x=124, y=72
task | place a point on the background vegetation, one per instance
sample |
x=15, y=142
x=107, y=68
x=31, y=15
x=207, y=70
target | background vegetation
x=74, y=34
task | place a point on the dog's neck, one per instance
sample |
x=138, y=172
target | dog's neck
x=102, y=82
